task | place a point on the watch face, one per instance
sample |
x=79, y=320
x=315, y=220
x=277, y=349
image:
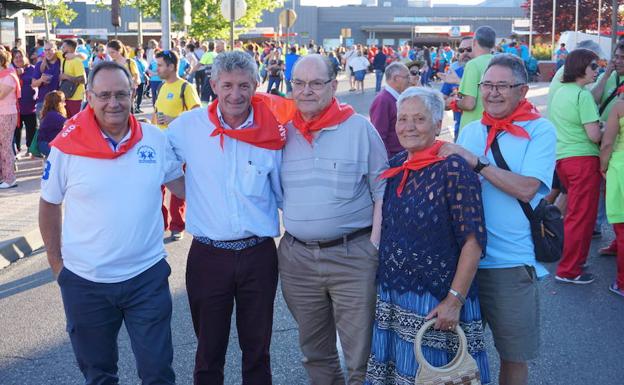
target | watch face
x=484, y=160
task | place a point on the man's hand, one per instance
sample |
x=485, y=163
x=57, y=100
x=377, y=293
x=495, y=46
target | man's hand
x=451, y=148
x=65, y=77
x=163, y=119
x=450, y=77
x=56, y=264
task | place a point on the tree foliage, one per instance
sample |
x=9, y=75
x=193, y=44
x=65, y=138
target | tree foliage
x=58, y=11
x=207, y=21
x=565, y=15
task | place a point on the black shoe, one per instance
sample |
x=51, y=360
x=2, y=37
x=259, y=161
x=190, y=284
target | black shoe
x=582, y=279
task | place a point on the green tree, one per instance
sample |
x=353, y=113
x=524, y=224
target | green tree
x=207, y=21
x=565, y=15
x=58, y=11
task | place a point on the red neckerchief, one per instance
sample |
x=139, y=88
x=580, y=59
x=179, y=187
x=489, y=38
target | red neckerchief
x=81, y=135
x=524, y=111
x=416, y=161
x=333, y=115
x=18, y=89
x=266, y=132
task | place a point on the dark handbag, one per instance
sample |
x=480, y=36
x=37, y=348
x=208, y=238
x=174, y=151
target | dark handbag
x=546, y=221
x=67, y=86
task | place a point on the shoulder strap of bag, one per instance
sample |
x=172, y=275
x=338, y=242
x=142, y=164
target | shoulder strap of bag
x=500, y=162
x=184, y=108
x=612, y=96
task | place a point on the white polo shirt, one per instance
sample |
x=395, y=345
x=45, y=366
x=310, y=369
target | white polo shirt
x=231, y=193
x=112, y=224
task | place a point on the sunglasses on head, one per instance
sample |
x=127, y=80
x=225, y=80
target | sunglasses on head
x=594, y=66
x=462, y=50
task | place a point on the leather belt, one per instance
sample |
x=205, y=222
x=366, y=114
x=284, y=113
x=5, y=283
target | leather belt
x=337, y=241
x=239, y=244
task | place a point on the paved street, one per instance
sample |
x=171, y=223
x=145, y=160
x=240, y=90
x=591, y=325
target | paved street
x=582, y=327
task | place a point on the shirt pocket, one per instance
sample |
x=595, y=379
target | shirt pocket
x=344, y=176
x=255, y=180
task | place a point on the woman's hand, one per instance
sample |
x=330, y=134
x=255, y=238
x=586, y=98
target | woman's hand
x=447, y=313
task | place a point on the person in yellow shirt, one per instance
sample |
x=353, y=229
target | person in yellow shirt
x=176, y=95
x=72, y=71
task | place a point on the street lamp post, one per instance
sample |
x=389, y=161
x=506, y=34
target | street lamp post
x=599, y=19
x=165, y=21
x=614, y=24
x=576, y=22
x=552, y=42
x=531, y=28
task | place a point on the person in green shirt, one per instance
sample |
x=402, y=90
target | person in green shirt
x=575, y=115
x=612, y=166
x=555, y=83
x=470, y=101
x=610, y=84
x=205, y=66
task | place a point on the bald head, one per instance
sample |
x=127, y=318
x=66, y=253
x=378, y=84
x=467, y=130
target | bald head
x=316, y=60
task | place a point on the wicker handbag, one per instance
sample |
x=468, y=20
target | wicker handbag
x=462, y=370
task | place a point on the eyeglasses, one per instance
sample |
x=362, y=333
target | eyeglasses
x=105, y=96
x=594, y=66
x=315, y=85
x=501, y=87
x=414, y=73
x=462, y=50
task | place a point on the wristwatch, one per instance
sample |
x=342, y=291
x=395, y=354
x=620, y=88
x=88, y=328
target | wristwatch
x=482, y=162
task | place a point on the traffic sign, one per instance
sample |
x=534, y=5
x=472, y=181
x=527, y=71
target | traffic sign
x=287, y=18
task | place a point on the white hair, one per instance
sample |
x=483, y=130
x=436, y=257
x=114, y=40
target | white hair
x=431, y=98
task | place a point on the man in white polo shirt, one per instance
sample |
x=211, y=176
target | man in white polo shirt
x=328, y=258
x=232, y=152
x=107, y=169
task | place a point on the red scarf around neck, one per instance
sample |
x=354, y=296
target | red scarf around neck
x=333, y=115
x=415, y=162
x=266, y=132
x=82, y=136
x=524, y=111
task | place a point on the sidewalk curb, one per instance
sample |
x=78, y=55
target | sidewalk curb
x=19, y=247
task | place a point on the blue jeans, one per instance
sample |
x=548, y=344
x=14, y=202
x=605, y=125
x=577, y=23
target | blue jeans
x=273, y=81
x=155, y=87
x=44, y=148
x=95, y=311
x=378, y=79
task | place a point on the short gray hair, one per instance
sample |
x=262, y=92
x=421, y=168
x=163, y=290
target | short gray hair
x=485, y=36
x=329, y=66
x=232, y=61
x=394, y=68
x=514, y=63
x=431, y=98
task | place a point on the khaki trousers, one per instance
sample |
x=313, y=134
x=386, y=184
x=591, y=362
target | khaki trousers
x=328, y=290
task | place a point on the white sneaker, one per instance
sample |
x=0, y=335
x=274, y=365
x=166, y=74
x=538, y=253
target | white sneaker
x=5, y=185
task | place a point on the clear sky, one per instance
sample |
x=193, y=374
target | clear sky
x=325, y=3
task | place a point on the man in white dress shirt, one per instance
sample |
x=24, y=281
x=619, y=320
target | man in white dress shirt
x=232, y=152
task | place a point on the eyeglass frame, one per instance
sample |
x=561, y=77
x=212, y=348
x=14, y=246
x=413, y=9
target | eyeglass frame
x=119, y=96
x=594, y=66
x=500, y=88
x=303, y=84
x=467, y=49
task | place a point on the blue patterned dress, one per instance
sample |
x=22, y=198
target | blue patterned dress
x=422, y=234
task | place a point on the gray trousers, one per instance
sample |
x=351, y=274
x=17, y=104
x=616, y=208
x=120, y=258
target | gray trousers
x=328, y=290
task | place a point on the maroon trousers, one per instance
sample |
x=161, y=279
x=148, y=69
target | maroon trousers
x=173, y=217
x=580, y=175
x=619, y=238
x=215, y=278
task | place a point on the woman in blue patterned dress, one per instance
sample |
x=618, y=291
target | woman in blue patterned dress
x=433, y=235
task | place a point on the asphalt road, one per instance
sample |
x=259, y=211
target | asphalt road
x=582, y=328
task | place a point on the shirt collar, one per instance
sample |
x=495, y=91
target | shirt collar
x=111, y=142
x=392, y=91
x=246, y=124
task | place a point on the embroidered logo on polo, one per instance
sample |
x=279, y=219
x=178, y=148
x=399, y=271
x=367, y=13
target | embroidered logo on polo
x=170, y=96
x=146, y=154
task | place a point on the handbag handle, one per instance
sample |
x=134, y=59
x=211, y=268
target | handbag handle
x=455, y=362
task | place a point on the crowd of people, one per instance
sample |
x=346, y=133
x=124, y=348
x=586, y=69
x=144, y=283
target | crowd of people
x=386, y=227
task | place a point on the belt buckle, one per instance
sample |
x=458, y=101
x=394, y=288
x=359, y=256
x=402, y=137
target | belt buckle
x=312, y=244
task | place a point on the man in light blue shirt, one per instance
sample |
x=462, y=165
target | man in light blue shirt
x=232, y=193
x=507, y=276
